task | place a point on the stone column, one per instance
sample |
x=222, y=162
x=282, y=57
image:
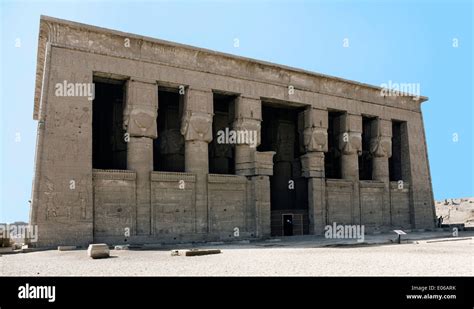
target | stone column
x=381, y=150
x=258, y=166
x=350, y=145
x=196, y=127
x=141, y=111
x=260, y=172
x=248, y=117
x=314, y=123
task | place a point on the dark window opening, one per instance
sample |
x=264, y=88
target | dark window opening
x=332, y=159
x=109, y=149
x=365, y=159
x=221, y=151
x=395, y=161
x=168, y=148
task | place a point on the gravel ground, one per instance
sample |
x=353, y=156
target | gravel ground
x=421, y=258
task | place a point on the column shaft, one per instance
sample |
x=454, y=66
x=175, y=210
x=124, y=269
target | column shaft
x=141, y=111
x=140, y=160
x=196, y=127
x=350, y=145
x=381, y=150
x=313, y=124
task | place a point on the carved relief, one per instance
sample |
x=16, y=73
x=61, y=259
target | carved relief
x=312, y=130
x=141, y=109
x=315, y=139
x=381, y=146
x=51, y=210
x=350, y=143
x=197, y=126
x=140, y=121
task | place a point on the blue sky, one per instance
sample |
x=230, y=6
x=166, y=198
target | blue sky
x=401, y=41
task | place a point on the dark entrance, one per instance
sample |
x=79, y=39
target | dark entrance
x=289, y=190
x=287, y=225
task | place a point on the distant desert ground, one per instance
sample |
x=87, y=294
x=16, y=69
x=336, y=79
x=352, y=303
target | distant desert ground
x=460, y=210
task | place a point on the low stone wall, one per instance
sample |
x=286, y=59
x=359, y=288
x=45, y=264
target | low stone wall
x=230, y=212
x=114, y=203
x=173, y=200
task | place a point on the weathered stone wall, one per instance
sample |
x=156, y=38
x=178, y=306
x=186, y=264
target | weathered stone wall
x=371, y=204
x=71, y=202
x=62, y=204
x=228, y=206
x=400, y=202
x=340, y=208
x=173, y=202
x=114, y=203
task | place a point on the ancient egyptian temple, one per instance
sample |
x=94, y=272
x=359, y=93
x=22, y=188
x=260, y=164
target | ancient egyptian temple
x=147, y=141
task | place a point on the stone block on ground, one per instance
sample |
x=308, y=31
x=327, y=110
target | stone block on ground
x=122, y=247
x=66, y=248
x=98, y=251
x=194, y=252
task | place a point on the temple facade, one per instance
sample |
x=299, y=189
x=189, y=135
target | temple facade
x=146, y=141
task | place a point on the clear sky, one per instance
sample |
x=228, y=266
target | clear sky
x=398, y=41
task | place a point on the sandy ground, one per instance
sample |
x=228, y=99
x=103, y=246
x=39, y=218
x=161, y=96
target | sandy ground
x=420, y=258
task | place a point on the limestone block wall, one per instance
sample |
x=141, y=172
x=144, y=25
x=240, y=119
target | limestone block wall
x=371, y=204
x=340, y=208
x=114, y=203
x=421, y=194
x=173, y=203
x=229, y=207
x=62, y=195
x=400, y=202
